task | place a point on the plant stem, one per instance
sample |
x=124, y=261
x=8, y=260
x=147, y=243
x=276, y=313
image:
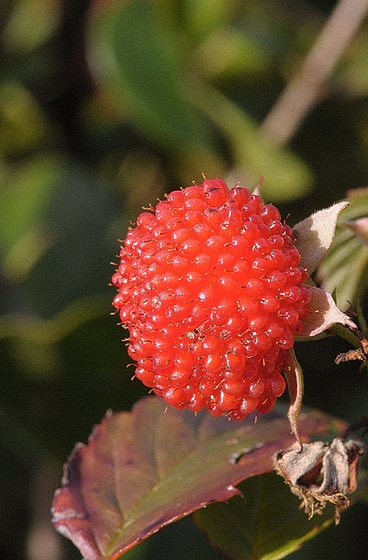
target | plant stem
x=305, y=90
x=346, y=333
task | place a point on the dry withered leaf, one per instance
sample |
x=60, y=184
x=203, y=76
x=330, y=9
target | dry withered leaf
x=358, y=353
x=320, y=473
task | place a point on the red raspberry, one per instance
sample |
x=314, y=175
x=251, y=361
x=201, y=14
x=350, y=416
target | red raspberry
x=211, y=292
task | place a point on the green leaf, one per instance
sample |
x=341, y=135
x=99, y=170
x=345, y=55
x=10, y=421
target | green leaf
x=52, y=216
x=231, y=52
x=286, y=176
x=144, y=469
x=23, y=205
x=265, y=523
x=139, y=61
x=23, y=124
x=214, y=13
x=21, y=37
x=345, y=266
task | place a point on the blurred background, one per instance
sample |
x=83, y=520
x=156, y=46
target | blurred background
x=104, y=107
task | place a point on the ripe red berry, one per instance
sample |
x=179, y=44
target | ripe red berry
x=210, y=290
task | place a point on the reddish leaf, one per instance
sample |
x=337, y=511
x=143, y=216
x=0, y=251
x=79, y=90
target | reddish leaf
x=144, y=469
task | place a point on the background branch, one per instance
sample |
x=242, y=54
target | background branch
x=305, y=90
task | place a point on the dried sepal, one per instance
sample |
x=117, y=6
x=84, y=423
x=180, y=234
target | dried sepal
x=324, y=314
x=313, y=235
x=320, y=473
x=257, y=189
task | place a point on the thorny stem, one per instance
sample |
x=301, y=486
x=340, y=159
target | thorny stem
x=305, y=90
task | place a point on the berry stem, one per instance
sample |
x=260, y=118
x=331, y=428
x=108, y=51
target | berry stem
x=295, y=382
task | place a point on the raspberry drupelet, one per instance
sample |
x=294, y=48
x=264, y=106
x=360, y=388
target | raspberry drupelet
x=210, y=290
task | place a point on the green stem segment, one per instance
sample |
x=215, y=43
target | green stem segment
x=346, y=333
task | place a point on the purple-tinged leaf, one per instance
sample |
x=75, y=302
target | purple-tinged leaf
x=314, y=235
x=144, y=469
x=324, y=314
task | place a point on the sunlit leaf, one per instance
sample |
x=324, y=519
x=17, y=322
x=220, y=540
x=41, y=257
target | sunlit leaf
x=23, y=205
x=37, y=331
x=230, y=52
x=286, y=176
x=138, y=60
x=52, y=216
x=215, y=13
x=23, y=124
x=21, y=36
x=353, y=72
x=144, y=469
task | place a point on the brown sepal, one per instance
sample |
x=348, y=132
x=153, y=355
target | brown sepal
x=321, y=473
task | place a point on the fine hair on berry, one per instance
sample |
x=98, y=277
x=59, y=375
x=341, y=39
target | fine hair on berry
x=210, y=290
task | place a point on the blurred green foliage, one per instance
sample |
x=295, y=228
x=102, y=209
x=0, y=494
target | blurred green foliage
x=104, y=106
